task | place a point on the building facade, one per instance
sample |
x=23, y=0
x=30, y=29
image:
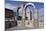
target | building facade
x=28, y=17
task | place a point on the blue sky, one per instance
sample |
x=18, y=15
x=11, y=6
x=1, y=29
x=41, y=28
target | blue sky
x=14, y=4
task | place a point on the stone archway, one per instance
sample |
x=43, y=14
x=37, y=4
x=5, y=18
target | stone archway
x=18, y=11
x=31, y=11
x=19, y=16
x=26, y=22
x=28, y=12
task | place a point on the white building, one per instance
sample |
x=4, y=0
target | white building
x=34, y=22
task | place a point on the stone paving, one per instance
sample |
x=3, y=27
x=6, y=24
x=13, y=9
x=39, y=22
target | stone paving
x=17, y=28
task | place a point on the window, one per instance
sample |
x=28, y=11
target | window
x=26, y=18
x=19, y=18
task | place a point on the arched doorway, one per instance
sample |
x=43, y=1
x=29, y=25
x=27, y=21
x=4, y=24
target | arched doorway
x=19, y=17
x=29, y=7
x=28, y=10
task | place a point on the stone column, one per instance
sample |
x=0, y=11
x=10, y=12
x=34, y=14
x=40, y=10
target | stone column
x=36, y=22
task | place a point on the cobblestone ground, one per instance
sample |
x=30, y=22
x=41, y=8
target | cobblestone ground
x=22, y=28
x=17, y=28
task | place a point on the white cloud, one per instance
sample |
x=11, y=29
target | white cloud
x=10, y=6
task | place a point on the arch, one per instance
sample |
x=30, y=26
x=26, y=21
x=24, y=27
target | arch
x=18, y=17
x=31, y=4
x=18, y=10
x=28, y=4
